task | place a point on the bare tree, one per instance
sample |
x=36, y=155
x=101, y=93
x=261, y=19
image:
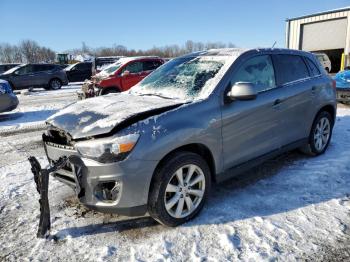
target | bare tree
x=30, y=50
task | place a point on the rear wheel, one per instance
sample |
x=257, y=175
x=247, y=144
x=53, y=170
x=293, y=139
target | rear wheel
x=320, y=135
x=179, y=189
x=55, y=84
x=109, y=91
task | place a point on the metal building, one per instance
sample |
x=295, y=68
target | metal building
x=327, y=32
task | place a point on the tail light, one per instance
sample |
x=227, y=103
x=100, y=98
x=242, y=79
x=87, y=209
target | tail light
x=334, y=84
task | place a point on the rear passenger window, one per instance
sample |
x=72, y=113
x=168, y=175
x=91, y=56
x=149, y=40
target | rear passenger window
x=258, y=71
x=313, y=68
x=289, y=68
x=150, y=65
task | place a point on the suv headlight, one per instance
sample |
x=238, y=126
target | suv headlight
x=108, y=150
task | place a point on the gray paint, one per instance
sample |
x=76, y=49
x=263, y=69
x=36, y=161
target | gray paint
x=234, y=132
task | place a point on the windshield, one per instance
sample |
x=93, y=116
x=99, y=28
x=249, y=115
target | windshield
x=13, y=69
x=185, y=78
x=112, y=68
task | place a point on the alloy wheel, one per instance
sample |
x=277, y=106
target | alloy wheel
x=185, y=191
x=322, y=133
x=55, y=84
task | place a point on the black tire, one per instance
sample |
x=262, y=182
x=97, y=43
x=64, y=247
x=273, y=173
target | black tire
x=163, y=176
x=311, y=148
x=110, y=90
x=55, y=84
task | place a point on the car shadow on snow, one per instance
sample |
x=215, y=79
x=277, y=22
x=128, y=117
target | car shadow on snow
x=119, y=226
x=10, y=119
x=283, y=184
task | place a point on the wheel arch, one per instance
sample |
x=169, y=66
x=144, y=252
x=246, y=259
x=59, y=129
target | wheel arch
x=328, y=108
x=196, y=148
x=55, y=78
x=105, y=89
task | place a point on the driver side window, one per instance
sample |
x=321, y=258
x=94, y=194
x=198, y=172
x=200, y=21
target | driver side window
x=135, y=67
x=25, y=70
x=258, y=71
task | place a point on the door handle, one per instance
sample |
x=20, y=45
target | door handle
x=277, y=102
x=313, y=89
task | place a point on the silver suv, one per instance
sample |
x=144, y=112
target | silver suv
x=198, y=119
x=49, y=76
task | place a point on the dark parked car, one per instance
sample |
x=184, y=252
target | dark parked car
x=198, y=119
x=5, y=67
x=8, y=100
x=49, y=76
x=79, y=72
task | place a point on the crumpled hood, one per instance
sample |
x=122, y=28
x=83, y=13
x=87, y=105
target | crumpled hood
x=97, y=116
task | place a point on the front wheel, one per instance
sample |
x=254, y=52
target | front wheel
x=55, y=84
x=179, y=189
x=320, y=135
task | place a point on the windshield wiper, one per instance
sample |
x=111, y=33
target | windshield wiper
x=152, y=94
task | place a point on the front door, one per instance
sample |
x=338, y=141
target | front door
x=23, y=77
x=135, y=75
x=250, y=128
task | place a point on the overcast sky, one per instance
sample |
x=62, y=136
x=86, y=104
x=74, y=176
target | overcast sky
x=64, y=24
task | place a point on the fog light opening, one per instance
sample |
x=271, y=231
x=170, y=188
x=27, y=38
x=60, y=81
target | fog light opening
x=108, y=191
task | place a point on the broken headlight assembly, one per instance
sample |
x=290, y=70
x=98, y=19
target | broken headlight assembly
x=107, y=150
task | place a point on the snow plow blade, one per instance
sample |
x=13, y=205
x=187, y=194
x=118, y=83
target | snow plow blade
x=41, y=179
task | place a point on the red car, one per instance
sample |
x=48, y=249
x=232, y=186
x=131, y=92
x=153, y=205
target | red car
x=120, y=76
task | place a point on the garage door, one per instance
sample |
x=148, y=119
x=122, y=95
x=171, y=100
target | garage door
x=324, y=35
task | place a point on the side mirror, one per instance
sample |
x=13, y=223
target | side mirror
x=242, y=91
x=126, y=73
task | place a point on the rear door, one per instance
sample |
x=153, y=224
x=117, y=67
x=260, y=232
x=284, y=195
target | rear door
x=250, y=128
x=80, y=72
x=86, y=72
x=150, y=66
x=42, y=74
x=135, y=74
x=293, y=77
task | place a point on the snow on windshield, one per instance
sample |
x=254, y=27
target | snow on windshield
x=112, y=68
x=187, y=77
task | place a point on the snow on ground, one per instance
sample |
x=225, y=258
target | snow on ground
x=36, y=106
x=291, y=208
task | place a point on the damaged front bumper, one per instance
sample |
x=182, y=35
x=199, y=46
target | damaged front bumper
x=119, y=187
x=107, y=193
x=88, y=89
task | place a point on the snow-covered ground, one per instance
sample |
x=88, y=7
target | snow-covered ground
x=36, y=106
x=291, y=208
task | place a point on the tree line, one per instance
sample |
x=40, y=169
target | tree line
x=164, y=51
x=29, y=51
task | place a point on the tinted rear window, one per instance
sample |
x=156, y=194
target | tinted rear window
x=289, y=68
